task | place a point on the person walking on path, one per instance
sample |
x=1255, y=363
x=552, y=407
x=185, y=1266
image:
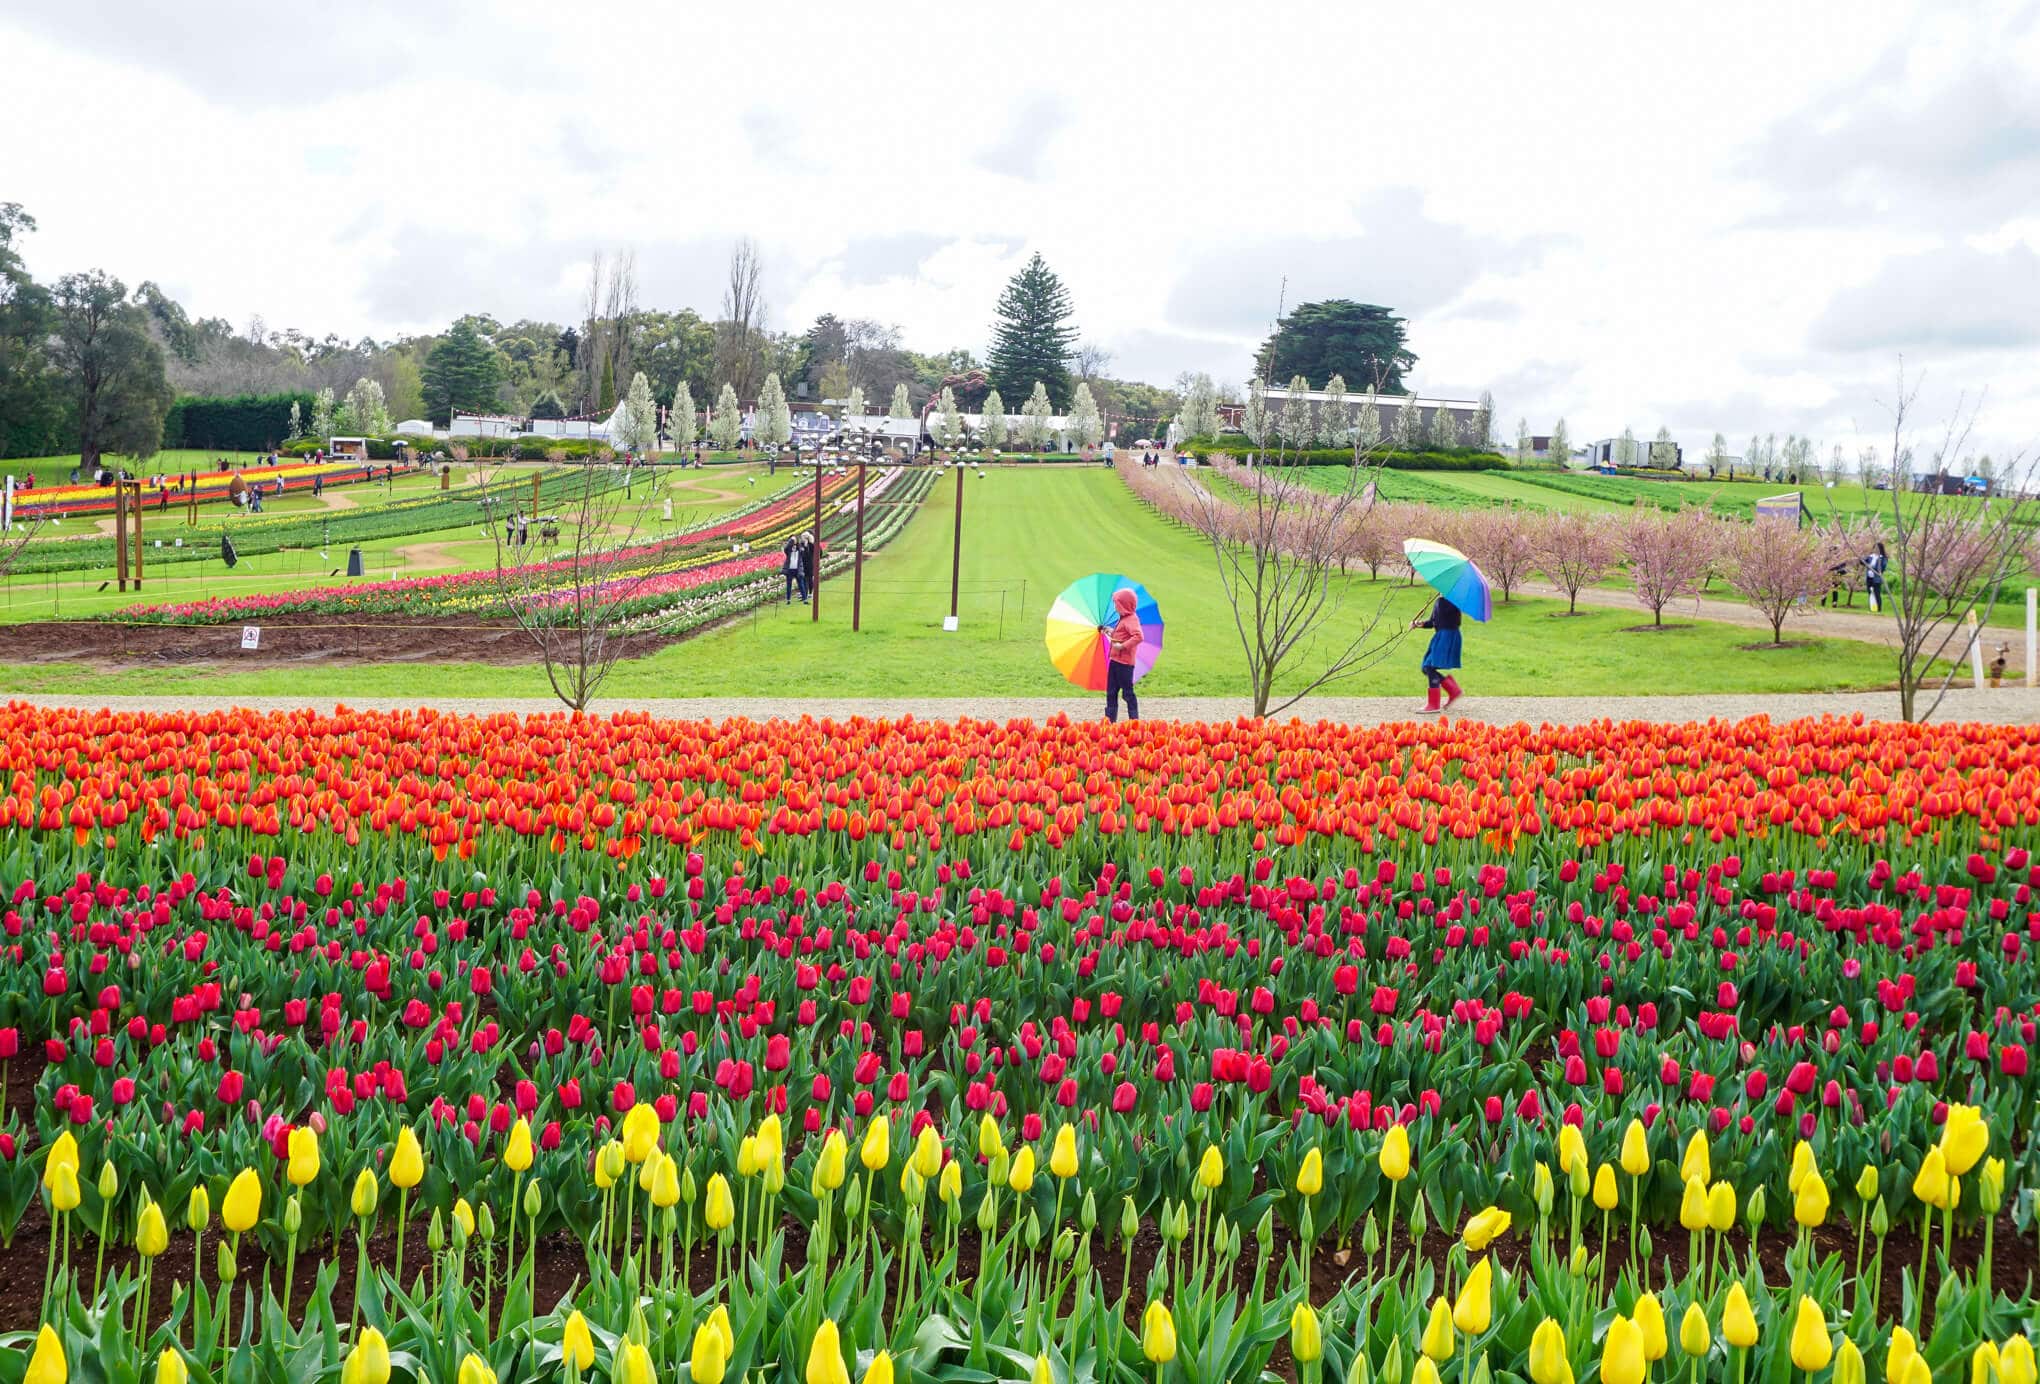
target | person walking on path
x=791, y=566
x=1123, y=638
x=1441, y=656
x=1874, y=564
x=811, y=562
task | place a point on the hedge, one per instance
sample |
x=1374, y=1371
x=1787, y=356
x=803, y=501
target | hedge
x=1441, y=459
x=243, y=423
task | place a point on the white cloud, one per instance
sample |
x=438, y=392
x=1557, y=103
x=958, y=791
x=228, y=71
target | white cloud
x=1624, y=214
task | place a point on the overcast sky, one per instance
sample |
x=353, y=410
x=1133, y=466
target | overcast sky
x=1730, y=216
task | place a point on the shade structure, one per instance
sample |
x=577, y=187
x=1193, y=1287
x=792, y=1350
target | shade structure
x=1452, y=575
x=1076, y=628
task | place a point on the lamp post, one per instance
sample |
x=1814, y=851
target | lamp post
x=857, y=564
x=956, y=542
x=815, y=596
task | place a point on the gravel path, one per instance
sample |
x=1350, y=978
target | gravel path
x=2004, y=706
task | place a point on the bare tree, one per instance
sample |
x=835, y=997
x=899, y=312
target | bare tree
x=739, y=334
x=608, y=327
x=1281, y=554
x=1950, y=554
x=569, y=578
x=1092, y=360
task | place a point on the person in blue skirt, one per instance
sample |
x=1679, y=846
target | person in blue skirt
x=1441, y=655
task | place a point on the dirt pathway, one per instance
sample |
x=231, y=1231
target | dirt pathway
x=1816, y=622
x=425, y=555
x=337, y=499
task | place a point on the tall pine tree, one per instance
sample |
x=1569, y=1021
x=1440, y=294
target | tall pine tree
x=1032, y=338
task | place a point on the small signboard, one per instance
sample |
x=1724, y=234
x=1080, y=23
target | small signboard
x=251, y=636
x=1789, y=506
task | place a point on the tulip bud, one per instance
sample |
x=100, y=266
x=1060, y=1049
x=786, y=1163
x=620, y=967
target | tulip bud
x=1541, y=1189
x=485, y=1222
x=1866, y=1184
x=198, y=1210
x=1392, y=1362
x=534, y=1200
x=1158, y=1334
x=1062, y=1246
x=109, y=1181
x=1087, y=1212
x=1990, y=1186
x=227, y=1267
x=949, y=1188
x=1306, y=1340
x=365, y=1194
x=435, y=1232
x=1849, y=1368
x=1033, y=1230
x=1578, y=1263
x=853, y=1200
x=688, y=1188
x=1264, y=1233
x=1420, y=1220
x=293, y=1216
x=1437, y=1343
x=1880, y=1220
x=1370, y=1237
x=987, y=1216
x=1643, y=1243
x=152, y=1237
x=1738, y=1322
x=170, y=1368
x=1129, y=1220
x=1358, y=1372
x=1581, y=1184
x=1694, y=1336
x=997, y=1169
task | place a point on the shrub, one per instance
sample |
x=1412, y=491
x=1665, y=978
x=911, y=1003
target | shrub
x=242, y=423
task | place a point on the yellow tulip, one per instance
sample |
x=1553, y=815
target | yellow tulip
x=407, y=1164
x=1622, y=1358
x=152, y=1236
x=1901, y=1352
x=1693, y=1205
x=1866, y=1184
x=771, y=1140
x=198, y=1210
x=749, y=1163
x=634, y=1364
x=1721, y=1208
x=825, y=1356
x=1062, y=1159
x=1474, y=1308
x=170, y=1368
x=517, y=1153
x=1395, y=1153
x=1694, y=1337
x=1810, y=1206
x=1635, y=1149
x=1484, y=1227
x=649, y=1169
x=475, y=1370
x=1965, y=1138
x=366, y=1194
x=720, y=1320
x=928, y=1152
x=666, y=1183
x=47, y=1365
x=1812, y=1347
x=1650, y=1320
x=1211, y=1168
x=369, y=1360
x=1310, y=1178
x=1043, y=1373
x=990, y=1144
x=1931, y=1183
x=640, y=1132
x=63, y=1153
x=877, y=1150
x=1549, y=1361
x=1020, y=1177
x=64, y=1193
x=2015, y=1362
x=1990, y=1185
x=243, y=1206
x=1738, y=1322
x=1802, y=1164
x=1306, y=1338
x=950, y=1187
x=1694, y=1163
x=303, y=1168
x=1157, y=1334
x=577, y=1343
x=1918, y=1372
x=1437, y=1343
x=721, y=1210
x=1425, y=1372
x=1983, y=1364
x=1572, y=1148
x=880, y=1370
x=834, y=1162
x=1849, y=1364
x=1605, y=1195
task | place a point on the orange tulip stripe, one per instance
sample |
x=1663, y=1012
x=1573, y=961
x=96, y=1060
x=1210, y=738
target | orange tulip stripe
x=1622, y=995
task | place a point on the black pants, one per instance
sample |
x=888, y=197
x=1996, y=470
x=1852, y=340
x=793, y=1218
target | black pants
x=1119, y=679
x=794, y=583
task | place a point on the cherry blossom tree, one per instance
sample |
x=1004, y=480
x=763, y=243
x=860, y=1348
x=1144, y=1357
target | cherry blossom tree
x=1668, y=554
x=1779, y=568
x=1575, y=550
x=1501, y=543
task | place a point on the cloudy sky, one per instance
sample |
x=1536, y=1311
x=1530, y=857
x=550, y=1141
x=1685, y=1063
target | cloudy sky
x=1732, y=216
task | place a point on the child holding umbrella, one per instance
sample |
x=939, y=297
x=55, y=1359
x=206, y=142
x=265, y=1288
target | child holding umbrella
x=1441, y=655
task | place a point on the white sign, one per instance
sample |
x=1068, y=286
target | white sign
x=949, y=623
x=251, y=636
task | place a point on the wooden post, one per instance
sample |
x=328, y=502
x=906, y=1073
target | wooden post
x=956, y=543
x=815, y=596
x=2032, y=630
x=141, y=505
x=120, y=548
x=857, y=566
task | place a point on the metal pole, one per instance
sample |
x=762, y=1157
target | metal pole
x=956, y=544
x=120, y=548
x=857, y=568
x=141, y=506
x=815, y=596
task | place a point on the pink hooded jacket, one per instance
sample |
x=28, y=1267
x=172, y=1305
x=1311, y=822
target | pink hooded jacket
x=1125, y=636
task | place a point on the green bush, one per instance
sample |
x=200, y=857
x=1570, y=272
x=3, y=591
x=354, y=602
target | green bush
x=243, y=423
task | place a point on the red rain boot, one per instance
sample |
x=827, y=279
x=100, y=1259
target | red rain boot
x=1430, y=706
x=1452, y=692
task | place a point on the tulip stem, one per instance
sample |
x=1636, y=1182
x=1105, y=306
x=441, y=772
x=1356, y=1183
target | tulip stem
x=142, y=1308
x=403, y=1214
x=99, y=1267
x=1862, y=1226
x=1926, y=1243
x=289, y=1272
x=1983, y=1298
x=360, y=1274
x=49, y=1265
x=1388, y=1239
x=510, y=1253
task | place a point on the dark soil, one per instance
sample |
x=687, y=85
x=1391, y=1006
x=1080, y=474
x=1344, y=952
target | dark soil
x=288, y=640
x=1652, y=629
x=1768, y=647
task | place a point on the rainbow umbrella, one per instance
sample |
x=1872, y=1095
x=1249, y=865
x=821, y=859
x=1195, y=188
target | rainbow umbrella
x=1077, y=622
x=1452, y=575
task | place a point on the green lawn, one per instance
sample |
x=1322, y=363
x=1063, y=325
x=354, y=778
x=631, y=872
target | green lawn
x=1027, y=533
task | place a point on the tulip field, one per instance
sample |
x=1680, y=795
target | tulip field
x=362, y=1047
